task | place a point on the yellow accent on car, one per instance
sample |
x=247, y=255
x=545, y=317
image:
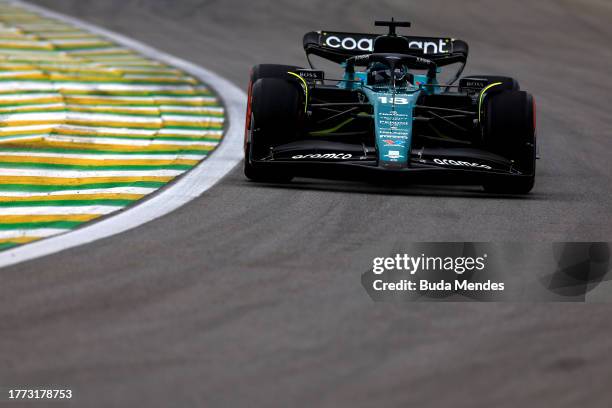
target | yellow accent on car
x=482, y=93
x=305, y=88
x=331, y=130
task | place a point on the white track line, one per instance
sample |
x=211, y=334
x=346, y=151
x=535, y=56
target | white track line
x=190, y=186
x=38, y=232
x=60, y=210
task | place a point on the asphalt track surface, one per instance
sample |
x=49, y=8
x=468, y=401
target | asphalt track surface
x=251, y=296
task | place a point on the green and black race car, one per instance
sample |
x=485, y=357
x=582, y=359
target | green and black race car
x=389, y=115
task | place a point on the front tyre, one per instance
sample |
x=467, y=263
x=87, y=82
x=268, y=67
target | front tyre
x=509, y=130
x=275, y=108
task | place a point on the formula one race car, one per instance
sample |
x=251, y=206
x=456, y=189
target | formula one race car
x=389, y=114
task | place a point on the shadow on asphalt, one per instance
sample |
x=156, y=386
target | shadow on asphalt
x=395, y=189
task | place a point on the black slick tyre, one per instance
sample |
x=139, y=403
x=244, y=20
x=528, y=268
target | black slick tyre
x=509, y=130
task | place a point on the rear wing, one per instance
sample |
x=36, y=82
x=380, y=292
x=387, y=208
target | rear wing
x=338, y=47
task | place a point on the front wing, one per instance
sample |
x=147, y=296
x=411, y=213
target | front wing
x=334, y=160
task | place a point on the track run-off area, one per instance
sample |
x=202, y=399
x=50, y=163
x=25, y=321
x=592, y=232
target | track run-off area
x=88, y=127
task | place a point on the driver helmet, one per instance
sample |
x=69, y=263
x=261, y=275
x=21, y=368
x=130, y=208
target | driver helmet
x=380, y=74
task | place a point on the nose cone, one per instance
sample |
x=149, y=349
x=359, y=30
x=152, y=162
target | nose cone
x=393, y=126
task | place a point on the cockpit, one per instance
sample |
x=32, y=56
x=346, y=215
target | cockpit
x=380, y=74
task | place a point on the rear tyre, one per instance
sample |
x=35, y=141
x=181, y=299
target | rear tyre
x=274, y=106
x=509, y=130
